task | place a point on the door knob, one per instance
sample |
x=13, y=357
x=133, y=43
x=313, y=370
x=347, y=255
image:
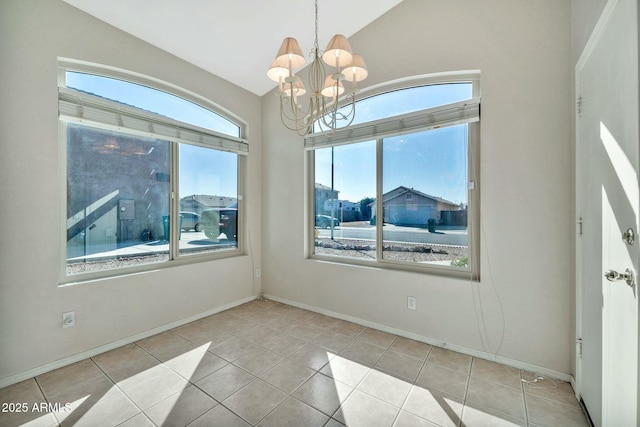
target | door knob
x=628, y=276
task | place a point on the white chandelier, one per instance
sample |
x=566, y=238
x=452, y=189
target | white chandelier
x=326, y=89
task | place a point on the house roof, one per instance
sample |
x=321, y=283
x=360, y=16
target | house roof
x=325, y=188
x=207, y=200
x=401, y=191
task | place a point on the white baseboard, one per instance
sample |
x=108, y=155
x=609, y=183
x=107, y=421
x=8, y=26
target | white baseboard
x=550, y=373
x=13, y=379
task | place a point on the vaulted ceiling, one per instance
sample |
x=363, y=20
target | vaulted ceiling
x=234, y=39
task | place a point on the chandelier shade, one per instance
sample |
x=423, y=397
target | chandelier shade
x=277, y=74
x=332, y=87
x=338, y=52
x=325, y=86
x=357, y=70
x=290, y=54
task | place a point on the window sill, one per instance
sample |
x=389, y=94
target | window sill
x=421, y=268
x=119, y=273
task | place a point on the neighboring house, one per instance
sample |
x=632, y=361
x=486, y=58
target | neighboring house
x=406, y=206
x=106, y=209
x=199, y=202
x=323, y=194
x=344, y=210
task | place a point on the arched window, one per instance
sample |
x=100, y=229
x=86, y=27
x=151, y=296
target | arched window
x=151, y=176
x=415, y=149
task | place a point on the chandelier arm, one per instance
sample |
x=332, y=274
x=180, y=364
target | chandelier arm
x=329, y=120
x=296, y=122
x=299, y=130
x=352, y=109
x=331, y=113
x=352, y=113
x=283, y=109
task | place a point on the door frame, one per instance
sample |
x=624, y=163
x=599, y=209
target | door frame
x=590, y=46
x=594, y=38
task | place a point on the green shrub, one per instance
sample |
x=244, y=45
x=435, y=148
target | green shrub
x=460, y=262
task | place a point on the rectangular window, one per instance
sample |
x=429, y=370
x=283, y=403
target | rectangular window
x=208, y=193
x=143, y=188
x=352, y=170
x=425, y=195
x=423, y=168
x=117, y=193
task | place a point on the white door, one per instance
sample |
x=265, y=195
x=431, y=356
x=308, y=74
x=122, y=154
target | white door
x=608, y=202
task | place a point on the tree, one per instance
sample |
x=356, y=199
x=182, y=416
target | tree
x=365, y=209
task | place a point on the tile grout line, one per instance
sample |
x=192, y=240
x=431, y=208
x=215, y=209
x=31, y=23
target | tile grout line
x=413, y=383
x=317, y=372
x=524, y=398
x=119, y=388
x=466, y=391
x=46, y=399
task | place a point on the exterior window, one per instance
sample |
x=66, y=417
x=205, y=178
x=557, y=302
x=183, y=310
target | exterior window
x=117, y=191
x=129, y=148
x=423, y=170
x=209, y=197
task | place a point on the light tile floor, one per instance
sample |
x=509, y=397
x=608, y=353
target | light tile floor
x=269, y=364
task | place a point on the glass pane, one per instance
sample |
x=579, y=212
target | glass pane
x=117, y=199
x=345, y=187
x=152, y=100
x=208, y=200
x=405, y=101
x=424, y=184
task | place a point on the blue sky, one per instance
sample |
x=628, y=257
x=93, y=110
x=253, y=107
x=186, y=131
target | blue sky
x=433, y=162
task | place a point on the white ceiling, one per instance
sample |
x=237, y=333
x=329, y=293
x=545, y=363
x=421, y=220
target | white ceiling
x=235, y=39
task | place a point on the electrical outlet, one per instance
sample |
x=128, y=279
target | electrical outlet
x=258, y=272
x=411, y=303
x=68, y=319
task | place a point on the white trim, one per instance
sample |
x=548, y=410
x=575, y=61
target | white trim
x=590, y=46
x=422, y=80
x=25, y=375
x=83, y=108
x=467, y=111
x=574, y=387
x=550, y=373
x=69, y=64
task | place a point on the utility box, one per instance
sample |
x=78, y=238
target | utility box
x=126, y=209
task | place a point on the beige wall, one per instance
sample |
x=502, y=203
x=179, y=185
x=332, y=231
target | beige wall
x=32, y=35
x=523, y=50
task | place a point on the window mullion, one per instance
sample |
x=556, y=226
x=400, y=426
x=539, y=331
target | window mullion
x=174, y=203
x=379, y=204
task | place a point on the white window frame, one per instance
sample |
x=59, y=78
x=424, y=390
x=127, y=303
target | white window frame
x=467, y=111
x=81, y=108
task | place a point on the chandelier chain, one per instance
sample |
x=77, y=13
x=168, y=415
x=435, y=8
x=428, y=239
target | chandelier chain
x=315, y=44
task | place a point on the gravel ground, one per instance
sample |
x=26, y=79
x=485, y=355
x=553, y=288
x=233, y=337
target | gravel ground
x=408, y=252
x=349, y=248
x=109, y=264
